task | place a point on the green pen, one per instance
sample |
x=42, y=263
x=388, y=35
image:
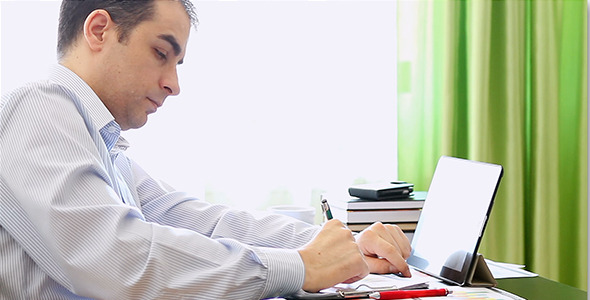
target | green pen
x=326, y=209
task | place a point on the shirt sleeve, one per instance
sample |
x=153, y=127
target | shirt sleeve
x=162, y=204
x=60, y=206
x=271, y=235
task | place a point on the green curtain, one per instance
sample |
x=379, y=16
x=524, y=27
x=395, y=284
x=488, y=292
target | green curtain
x=503, y=82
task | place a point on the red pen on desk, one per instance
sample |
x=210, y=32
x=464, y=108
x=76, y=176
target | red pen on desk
x=401, y=294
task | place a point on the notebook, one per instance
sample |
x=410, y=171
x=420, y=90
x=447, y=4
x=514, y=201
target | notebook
x=453, y=220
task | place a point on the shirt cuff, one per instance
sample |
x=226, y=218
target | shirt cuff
x=286, y=272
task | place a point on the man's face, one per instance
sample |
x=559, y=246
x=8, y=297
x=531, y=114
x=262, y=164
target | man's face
x=140, y=73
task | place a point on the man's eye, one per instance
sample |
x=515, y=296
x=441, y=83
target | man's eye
x=161, y=54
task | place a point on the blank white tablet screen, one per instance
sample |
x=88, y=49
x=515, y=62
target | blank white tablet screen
x=454, y=215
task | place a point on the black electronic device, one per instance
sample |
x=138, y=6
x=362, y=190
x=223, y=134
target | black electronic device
x=382, y=190
x=453, y=220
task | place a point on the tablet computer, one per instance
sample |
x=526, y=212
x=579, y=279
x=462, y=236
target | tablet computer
x=453, y=219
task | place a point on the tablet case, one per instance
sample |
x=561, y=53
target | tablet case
x=480, y=275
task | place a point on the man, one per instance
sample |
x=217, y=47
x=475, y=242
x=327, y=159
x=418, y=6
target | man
x=79, y=219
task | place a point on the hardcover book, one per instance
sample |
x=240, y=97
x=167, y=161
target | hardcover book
x=415, y=200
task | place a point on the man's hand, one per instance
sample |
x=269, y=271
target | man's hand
x=332, y=257
x=386, y=248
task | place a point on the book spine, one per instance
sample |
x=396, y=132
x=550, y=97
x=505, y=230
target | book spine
x=378, y=205
x=371, y=216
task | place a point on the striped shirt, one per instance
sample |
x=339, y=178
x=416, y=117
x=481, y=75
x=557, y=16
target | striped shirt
x=79, y=219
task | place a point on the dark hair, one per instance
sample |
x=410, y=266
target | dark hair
x=125, y=13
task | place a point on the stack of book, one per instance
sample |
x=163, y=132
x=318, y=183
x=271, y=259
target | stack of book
x=402, y=209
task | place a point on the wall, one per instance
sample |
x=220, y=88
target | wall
x=280, y=100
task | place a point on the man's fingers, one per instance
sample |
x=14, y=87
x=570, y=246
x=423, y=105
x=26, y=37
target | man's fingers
x=383, y=266
x=395, y=236
x=333, y=256
x=388, y=258
x=386, y=248
x=398, y=235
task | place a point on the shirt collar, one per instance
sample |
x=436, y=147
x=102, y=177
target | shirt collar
x=99, y=114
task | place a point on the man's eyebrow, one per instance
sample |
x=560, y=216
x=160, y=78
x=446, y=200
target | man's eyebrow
x=172, y=40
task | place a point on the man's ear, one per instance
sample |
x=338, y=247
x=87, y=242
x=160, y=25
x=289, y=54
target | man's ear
x=97, y=28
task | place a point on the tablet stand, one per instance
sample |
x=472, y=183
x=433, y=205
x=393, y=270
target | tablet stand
x=480, y=275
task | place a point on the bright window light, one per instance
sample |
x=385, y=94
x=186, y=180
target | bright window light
x=280, y=100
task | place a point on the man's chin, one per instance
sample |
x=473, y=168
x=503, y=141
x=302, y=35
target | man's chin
x=135, y=125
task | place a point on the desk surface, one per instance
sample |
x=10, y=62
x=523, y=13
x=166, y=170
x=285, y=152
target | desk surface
x=539, y=288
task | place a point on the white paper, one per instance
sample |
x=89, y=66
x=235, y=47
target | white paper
x=506, y=270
